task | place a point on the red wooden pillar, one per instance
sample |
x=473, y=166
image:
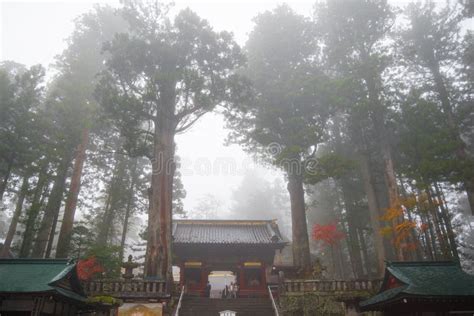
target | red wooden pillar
x=241, y=278
x=247, y=290
x=195, y=288
x=204, y=279
x=264, y=276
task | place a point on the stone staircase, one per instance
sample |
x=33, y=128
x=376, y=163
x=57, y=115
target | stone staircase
x=200, y=306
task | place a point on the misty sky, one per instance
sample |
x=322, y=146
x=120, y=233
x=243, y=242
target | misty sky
x=33, y=32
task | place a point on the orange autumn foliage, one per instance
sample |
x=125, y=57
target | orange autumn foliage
x=386, y=231
x=399, y=228
x=392, y=213
x=403, y=231
x=405, y=226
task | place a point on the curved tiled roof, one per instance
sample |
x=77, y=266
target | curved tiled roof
x=40, y=275
x=226, y=232
x=427, y=279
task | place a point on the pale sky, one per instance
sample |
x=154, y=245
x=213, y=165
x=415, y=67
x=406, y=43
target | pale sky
x=33, y=32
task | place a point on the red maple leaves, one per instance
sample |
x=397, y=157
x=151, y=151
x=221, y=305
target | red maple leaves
x=86, y=268
x=328, y=234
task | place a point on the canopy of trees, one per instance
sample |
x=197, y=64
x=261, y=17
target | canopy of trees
x=366, y=110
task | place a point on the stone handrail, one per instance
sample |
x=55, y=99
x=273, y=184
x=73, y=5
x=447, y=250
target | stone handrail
x=329, y=286
x=178, y=308
x=275, y=307
x=120, y=288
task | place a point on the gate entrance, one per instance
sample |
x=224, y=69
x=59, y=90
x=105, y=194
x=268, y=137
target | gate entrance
x=219, y=280
x=244, y=248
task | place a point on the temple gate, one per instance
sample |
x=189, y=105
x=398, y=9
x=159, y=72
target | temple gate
x=244, y=247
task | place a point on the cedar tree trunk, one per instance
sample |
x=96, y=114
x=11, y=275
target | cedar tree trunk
x=32, y=214
x=378, y=120
x=5, y=177
x=374, y=214
x=128, y=209
x=64, y=238
x=16, y=216
x=301, y=254
x=52, y=208
x=451, y=120
x=158, y=252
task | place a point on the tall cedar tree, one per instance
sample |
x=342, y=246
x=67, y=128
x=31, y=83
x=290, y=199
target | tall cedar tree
x=160, y=79
x=354, y=33
x=286, y=120
x=20, y=99
x=431, y=44
x=78, y=67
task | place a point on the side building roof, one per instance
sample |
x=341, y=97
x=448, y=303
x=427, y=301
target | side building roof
x=227, y=232
x=427, y=280
x=55, y=276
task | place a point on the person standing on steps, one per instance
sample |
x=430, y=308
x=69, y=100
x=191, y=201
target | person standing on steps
x=232, y=290
x=236, y=289
x=207, y=292
x=225, y=292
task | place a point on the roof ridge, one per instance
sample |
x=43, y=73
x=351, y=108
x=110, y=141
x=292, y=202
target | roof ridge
x=223, y=221
x=422, y=263
x=34, y=260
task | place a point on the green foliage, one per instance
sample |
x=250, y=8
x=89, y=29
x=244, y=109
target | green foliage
x=21, y=93
x=468, y=60
x=433, y=35
x=432, y=44
x=104, y=300
x=352, y=31
x=70, y=104
x=310, y=304
x=108, y=257
x=329, y=165
x=81, y=240
x=293, y=98
x=165, y=73
x=356, y=41
x=427, y=148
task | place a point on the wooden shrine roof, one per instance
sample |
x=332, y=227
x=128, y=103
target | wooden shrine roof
x=433, y=281
x=56, y=276
x=227, y=232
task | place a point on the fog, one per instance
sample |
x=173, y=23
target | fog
x=34, y=32
x=349, y=122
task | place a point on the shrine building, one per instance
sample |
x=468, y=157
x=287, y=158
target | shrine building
x=244, y=247
x=423, y=289
x=45, y=287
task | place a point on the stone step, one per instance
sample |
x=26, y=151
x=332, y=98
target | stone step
x=201, y=313
x=240, y=299
x=248, y=307
x=217, y=314
x=200, y=306
x=229, y=304
x=221, y=308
